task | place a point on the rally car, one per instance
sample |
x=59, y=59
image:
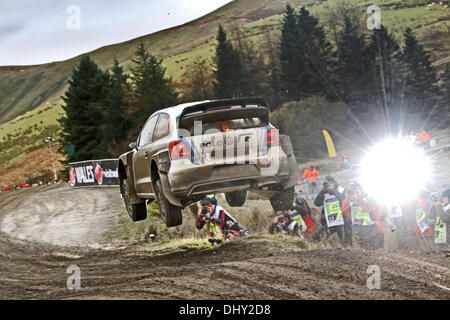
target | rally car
x=194, y=149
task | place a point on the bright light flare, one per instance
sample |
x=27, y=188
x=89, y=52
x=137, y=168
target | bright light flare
x=394, y=171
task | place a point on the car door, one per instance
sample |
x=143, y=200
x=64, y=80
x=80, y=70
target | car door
x=141, y=159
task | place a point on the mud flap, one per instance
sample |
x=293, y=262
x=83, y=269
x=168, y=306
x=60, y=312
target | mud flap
x=166, y=189
x=139, y=212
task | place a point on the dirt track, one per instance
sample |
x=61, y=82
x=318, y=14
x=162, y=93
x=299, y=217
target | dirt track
x=254, y=268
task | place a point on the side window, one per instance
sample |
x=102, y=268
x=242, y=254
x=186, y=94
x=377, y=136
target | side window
x=147, y=132
x=162, y=128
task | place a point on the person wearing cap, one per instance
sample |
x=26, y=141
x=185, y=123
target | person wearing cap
x=439, y=216
x=332, y=220
x=366, y=218
x=218, y=221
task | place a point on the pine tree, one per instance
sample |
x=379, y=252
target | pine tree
x=117, y=122
x=385, y=53
x=228, y=69
x=315, y=51
x=253, y=65
x=421, y=83
x=273, y=71
x=353, y=65
x=386, y=75
x=83, y=112
x=305, y=56
x=153, y=91
x=289, y=62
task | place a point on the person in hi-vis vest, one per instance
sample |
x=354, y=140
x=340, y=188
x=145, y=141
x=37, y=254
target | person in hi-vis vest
x=439, y=214
x=366, y=218
x=332, y=220
x=311, y=176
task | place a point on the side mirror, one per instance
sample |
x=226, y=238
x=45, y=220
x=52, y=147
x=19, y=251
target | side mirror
x=133, y=145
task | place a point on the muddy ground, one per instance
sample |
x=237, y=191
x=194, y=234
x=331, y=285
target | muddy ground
x=46, y=229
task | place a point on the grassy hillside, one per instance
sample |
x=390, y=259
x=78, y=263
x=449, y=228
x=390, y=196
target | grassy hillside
x=24, y=88
x=24, y=134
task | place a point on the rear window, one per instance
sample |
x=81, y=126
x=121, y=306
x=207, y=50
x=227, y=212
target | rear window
x=225, y=119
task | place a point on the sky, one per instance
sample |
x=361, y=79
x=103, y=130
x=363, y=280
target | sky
x=42, y=31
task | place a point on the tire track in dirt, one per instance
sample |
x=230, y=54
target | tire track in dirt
x=251, y=268
x=62, y=216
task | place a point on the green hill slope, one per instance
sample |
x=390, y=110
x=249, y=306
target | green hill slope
x=25, y=88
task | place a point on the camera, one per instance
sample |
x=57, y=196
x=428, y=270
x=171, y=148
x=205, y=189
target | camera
x=281, y=220
x=325, y=184
x=204, y=211
x=214, y=241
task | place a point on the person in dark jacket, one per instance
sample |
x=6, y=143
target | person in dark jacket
x=332, y=220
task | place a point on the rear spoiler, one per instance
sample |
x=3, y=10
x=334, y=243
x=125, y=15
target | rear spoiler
x=243, y=102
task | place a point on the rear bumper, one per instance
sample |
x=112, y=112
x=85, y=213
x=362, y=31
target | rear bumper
x=187, y=179
x=227, y=185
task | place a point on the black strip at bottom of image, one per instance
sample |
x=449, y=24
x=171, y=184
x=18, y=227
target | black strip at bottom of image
x=220, y=309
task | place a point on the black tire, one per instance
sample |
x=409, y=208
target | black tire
x=283, y=201
x=170, y=214
x=136, y=211
x=236, y=198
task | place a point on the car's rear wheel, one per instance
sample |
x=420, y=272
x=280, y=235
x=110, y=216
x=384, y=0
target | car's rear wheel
x=236, y=198
x=136, y=211
x=283, y=201
x=170, y=214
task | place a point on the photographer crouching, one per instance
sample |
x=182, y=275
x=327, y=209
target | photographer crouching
x=296, y=222
x=221, y=225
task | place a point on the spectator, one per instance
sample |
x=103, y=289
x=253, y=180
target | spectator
x=311, y=175
x=332, y=220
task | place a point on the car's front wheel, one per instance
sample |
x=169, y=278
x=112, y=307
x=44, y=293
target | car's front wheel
x=136, y=211
x=170, y=214
x=283, y=201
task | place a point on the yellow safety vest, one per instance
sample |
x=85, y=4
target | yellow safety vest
x=333, y=212
x=440, y=231
x=300, y=222
x=359, y=216
x=421, y=222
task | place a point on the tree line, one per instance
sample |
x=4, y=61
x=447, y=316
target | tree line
x=370, y=73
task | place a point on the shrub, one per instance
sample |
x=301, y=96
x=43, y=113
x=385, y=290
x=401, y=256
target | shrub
x=304, y=121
